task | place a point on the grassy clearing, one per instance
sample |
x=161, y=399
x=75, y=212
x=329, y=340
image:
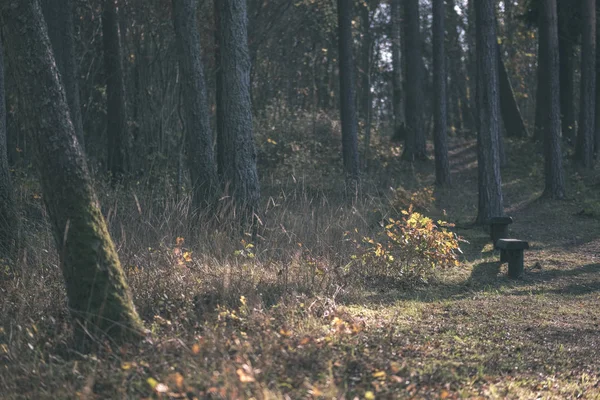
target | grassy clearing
x=279, y=320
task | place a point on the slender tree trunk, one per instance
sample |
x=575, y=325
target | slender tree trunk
x=511, y=115
x=8, y=218
x=548, y=69
x=116, y=111
x=584, y=153
x=488, y=159
x=218, y=93
x=367, y=62
x=239, y=153
x=566, y=88
x=414, y=143
x=440, y=130
x=398, y=99
x=200, y=158
x=472, y=56
x=98, y=296
x=347, y=104
x=59, y=19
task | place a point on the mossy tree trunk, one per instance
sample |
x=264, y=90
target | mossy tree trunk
x=98, y=296
x=200, y=156
x=58, y=15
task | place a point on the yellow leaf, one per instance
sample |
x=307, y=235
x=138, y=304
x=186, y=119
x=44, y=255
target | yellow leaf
x=244, y=377
x=152, y=382
x=369, y=395
x=180, y=241
x=379, y=374
x=187, y=256
x=127, y=365
x=177, y=379
x=196, y=348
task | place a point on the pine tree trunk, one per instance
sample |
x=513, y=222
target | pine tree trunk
x=440, y=130
x=398, y=98
x=347, y=90
x=511, y=115
x=414, y=142
x=8, y=217
x=584, y=153
x=548, y=70
x=567, y=100
x=98, y=296
x=200, y=157
x=239, y=153
x=218, y=93
x=116, y=112
x=488, y=109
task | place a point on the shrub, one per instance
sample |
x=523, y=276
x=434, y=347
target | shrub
x=410, y=248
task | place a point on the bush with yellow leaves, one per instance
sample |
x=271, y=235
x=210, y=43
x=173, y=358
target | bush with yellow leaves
x=410, y=248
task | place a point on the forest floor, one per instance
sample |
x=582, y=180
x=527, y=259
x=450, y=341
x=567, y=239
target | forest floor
x=264, y=331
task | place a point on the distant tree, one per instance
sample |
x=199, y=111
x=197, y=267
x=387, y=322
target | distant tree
x=200, y=157
x=59, y=19
x=8, y=217
x=440, y=130
x=548, y=71
x=239, y=153
x=98, y=297
x=488, y=112
x=347, y=91
x=218, y=92
x=584, y=151
x=116, y=111
x=415, y=136
x=366, y=71
x=568, y=31
x=397, y=96
x=511, y=114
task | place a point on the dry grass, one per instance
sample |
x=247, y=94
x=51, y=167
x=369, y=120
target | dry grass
x=278, y=320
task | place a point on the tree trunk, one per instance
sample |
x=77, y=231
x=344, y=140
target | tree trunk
x=98, y=296
x=548, y=70
x=567, y=101
x=398, y=99
x=584, y=152
x=511, y=115
x=116, y=116
x=8, y=217
x=59, y=19
x=218, y=93
x=414, y=147
x=488, y=109
x=472, y=56
x=200, y=157
x=239, y=153
x=347, y=104
x=440, y=130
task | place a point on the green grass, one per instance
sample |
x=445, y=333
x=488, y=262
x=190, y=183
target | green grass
x=283, y=323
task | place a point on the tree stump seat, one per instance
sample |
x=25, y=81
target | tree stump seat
x=511, y=250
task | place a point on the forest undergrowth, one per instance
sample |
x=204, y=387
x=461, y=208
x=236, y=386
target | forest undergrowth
x=325, y=302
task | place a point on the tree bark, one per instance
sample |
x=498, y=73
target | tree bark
x=98, y=296
x=200, y=157
x=398, y=98
x=414, y=147
x=59, y=19
x=488, y=109
x=218, y=93
x=116, y=111
x=584, y=152
x=8, y=217
x=239, y=153
x=440, y=130
x=347, y=90
x=567, y=101
x=548, y=70
x=511, y=115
